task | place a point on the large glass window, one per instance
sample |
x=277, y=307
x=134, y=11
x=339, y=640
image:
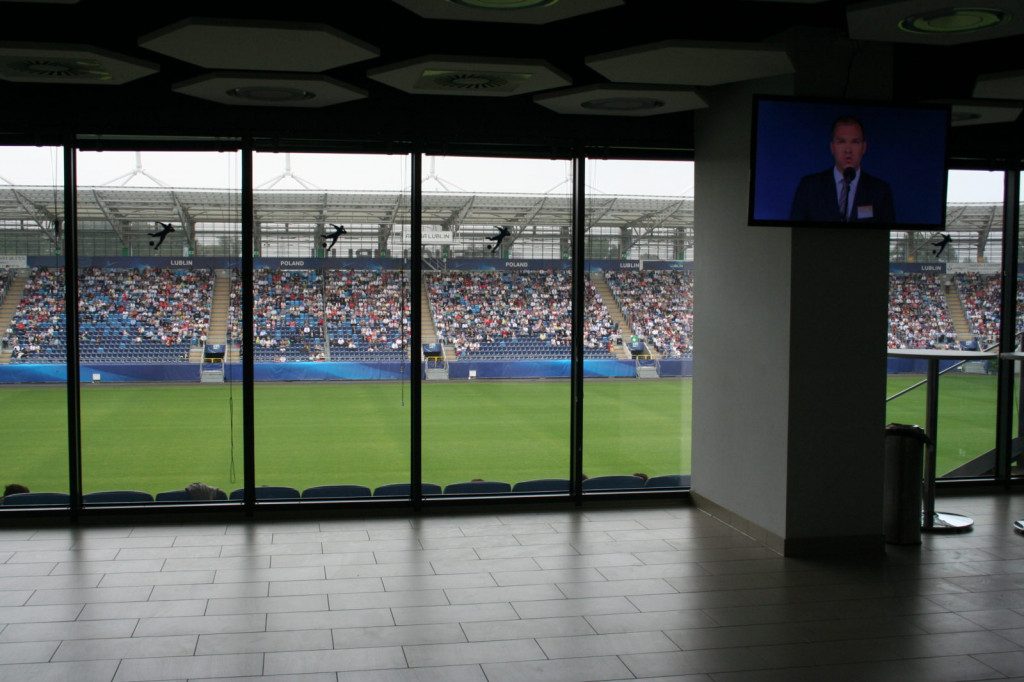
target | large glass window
x=33, y=375
x=497, y=285
x=331, y=314
x=158, y=242
x=945, y=295
x=638, y=335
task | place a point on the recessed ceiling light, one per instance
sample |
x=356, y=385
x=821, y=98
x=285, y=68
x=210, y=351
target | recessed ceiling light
x=503, y=4
x=468, y=81
x=59, y=68
x=472, y=80
x=955, y=20
x=263, y=93
x=623, y=103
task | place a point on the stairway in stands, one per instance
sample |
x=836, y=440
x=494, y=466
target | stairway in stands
x=15, y=291
x=218, y=331
x=610, y=302
x=955, y=306
x=427, y=327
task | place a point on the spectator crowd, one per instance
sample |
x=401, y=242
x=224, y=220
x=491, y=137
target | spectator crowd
x=659, y=307
x=160, y=311
x=473, y=309
x=364, y=314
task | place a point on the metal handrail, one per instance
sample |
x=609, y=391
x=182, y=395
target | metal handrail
x=908, y=389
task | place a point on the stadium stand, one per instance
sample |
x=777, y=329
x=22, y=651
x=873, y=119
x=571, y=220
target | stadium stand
x=36, y=499
x=313, y=315
x=612, y=483
x=116, y=497
x=183, y=496
x=5, y=281
x=157, y=315
x=343, y=491
x=514, y=315
x=542, y=485
x=37, y=329
x=288, y=315
x=268, y=492
x=981, y=296
x=668, y=481
x=404, y=489
x=145, y=315
x=477, y=488
x=333, y=491
x=918, y=313
x=659, y=307
x=366, y=314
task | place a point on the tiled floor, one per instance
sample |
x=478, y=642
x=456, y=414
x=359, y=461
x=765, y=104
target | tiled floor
x=662, y=593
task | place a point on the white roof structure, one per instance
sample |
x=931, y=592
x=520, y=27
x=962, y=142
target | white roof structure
x=302, y=213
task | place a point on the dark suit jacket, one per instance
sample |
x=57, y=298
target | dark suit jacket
x=816, y=200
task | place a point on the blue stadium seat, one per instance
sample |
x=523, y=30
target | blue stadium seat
x=669, y=481
x=542, y=485
x=268, y=492
x=183, y=496
x=173, y=496
x=116, y=497
x=613, y=483
x=37, y=499
x=329, y=491
x=403, y=490
x=477, y=488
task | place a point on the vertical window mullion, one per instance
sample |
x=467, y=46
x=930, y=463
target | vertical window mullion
x=415, y=329
x=578, y=303
x=71, y=328
x=248, y=345
x=1008, y=323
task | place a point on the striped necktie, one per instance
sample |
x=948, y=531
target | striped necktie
x=844, y=196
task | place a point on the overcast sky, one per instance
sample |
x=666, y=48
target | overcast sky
x=41, y=166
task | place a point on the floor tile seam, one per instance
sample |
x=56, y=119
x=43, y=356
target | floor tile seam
x=994, y=577
x=195, y=585
x=975, y=658
x=117, y=669
x=716, y=675
x=1011, y=646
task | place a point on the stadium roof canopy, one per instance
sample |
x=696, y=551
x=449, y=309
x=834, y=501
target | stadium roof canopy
x=141, y=207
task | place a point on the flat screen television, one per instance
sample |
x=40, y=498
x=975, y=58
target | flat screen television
x=898, y=157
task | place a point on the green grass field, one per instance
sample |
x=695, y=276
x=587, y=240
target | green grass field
x=967, y=414
x=162, y=437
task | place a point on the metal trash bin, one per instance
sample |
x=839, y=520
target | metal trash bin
x=904, y=466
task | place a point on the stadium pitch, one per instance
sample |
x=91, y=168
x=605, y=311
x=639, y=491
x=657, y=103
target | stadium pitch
x=967, y=414
x=156, y=437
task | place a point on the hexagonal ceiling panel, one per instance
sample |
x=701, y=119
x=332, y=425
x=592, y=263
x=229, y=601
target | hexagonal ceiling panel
x=507, y=11
x=258, y=46
x=621, y=100
x=980, y=113
x=467, y=76
x=935, y=22
x=1009, y=85
x=72, y=64
x=678, y=62
x=270, y=90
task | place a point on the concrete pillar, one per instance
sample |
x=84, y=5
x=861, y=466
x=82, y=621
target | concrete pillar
x=789, y=367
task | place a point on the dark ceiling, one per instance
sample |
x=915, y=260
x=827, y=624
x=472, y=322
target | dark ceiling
x=388, y=115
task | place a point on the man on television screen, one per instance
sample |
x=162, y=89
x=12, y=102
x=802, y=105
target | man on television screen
x=844, y=193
